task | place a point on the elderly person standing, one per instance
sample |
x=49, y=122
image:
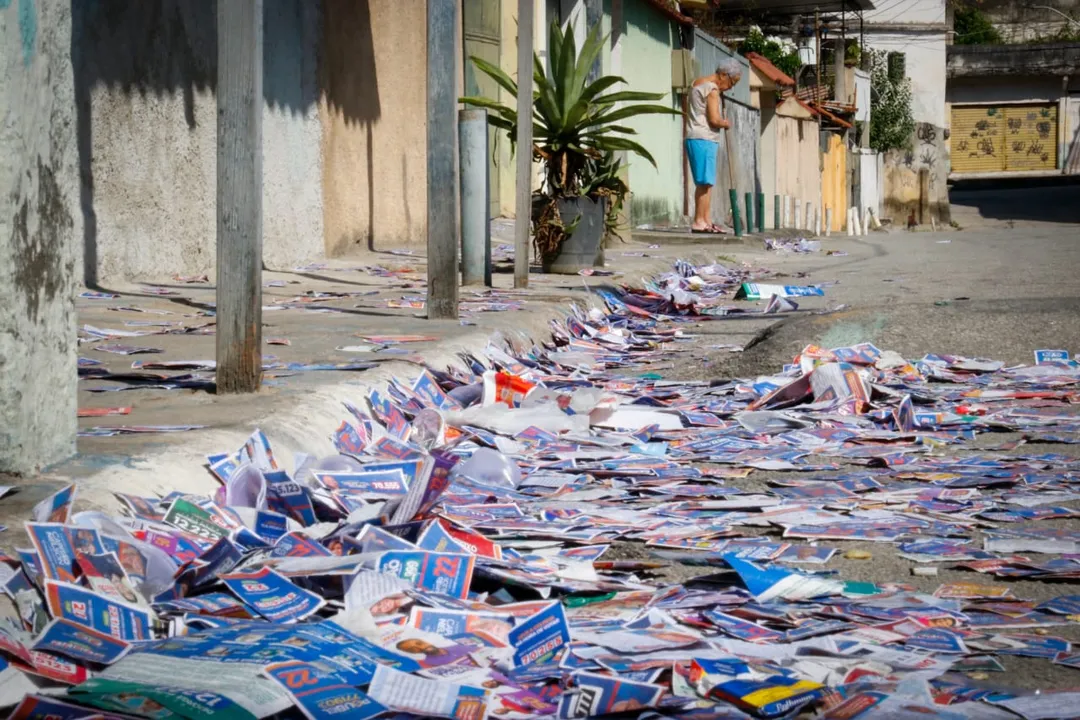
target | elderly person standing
x=703, y=139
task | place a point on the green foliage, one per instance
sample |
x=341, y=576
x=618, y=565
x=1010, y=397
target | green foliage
x=974, y=28
x=573, y=120
x=787, y=60
x=891, y=121
x=853, y=54
x=576, y=128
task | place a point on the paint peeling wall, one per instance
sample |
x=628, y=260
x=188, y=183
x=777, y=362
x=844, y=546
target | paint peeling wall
x=39, y=223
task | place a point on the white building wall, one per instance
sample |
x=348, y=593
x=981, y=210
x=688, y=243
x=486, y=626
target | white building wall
x=906, y=11
x=925, y=53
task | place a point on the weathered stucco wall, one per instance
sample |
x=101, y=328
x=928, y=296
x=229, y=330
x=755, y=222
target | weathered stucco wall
x=147, y=128
x=920, y=34
x=929, y=151
x=39, y=224
x=374, y=124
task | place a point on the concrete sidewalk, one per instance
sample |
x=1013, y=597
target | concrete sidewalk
x=300, y=410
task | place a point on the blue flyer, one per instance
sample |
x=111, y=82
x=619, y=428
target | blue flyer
x=1044, y=357
x=64, y=637
x=378, y=483
x=348, y=440
x=604, y=695
x=436, y=539
x=446, y=573
x=540, y=635
x=273, y=596
x=89, y=609
x=296, y=544
x=321, y=695
x=54, y=550
x=270, y=525
x=284, y=495
x=937, y=640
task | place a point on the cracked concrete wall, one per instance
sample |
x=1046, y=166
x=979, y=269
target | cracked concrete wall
x=39, y=223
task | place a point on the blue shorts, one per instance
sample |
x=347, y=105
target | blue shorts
x=702, y=160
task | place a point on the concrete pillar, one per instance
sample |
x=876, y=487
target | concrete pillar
x=39, y=223
x=475, y=193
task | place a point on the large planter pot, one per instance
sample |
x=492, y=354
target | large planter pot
x=582, y=248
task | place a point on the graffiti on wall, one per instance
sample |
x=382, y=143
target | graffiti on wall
x=1006, y=137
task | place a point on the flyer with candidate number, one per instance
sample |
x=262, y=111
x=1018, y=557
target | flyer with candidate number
x=108, y=616
x=320, y=694
x=273, y=596
x=541, y=635
x=447, y=573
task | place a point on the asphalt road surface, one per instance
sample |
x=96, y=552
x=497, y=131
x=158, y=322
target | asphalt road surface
x=1002, y=287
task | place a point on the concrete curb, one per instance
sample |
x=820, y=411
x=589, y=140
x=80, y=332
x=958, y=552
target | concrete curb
x=675, y=237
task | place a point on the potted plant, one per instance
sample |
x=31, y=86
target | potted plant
x=576, y=132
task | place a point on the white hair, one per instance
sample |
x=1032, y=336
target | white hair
x=729, y=67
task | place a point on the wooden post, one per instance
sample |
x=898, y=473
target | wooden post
x=442, y=223
x=523, y=206
x=239, y=195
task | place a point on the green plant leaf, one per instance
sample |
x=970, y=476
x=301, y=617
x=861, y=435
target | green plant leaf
x=501, y=109
x=629, y=112
x=628, y=96
x=614, y=143
x=495, y=73
x=594, y=43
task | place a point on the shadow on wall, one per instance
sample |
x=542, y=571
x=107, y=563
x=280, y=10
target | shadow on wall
x=160, y=47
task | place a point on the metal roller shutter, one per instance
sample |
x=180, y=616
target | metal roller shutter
x=977, y=137
x=1031, y=134
x=1004, y=138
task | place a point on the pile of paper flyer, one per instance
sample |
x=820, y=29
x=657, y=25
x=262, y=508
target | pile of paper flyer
x=495, y=539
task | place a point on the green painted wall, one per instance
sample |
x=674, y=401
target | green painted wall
x=646, y=64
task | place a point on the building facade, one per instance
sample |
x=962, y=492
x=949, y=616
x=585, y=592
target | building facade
x=915, y=178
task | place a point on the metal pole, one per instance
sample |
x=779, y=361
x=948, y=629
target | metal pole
x=475, y=196
x=749, y=212
x=776, y=212
x=828, y=221
x=442, y=246
x=524, y=143
x=787, y=211
x=761, y=212
x=797, y=219
x=239, y=195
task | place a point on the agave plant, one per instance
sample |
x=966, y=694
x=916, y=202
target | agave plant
x=575, y=122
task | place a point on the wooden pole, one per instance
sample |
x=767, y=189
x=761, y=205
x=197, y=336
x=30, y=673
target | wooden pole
x=733, y=192
x=239, y=195
x=442, y=223
x=524, y=143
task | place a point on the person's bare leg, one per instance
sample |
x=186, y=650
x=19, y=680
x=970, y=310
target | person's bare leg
x=702, y=201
